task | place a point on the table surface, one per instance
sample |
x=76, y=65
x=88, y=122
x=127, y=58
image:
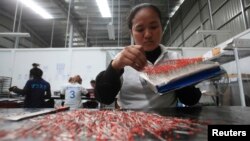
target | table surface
x=82, y=97
x=230, y=115
x=216, y=114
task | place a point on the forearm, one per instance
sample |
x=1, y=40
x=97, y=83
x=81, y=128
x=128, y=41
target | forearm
x=108, y=84
x=47, y=95
x=189, y=95
x=18, y=91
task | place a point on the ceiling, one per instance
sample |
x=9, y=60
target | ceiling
x=88, y=24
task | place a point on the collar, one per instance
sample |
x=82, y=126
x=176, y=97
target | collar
x=160, y=56
x=153, y=55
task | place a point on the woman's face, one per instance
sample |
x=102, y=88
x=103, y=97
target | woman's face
x=147, y=29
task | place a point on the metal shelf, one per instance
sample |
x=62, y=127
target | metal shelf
x=236, y=48
x=5, y=83
x=223, y=58
x=239, y=43
x=228, y=56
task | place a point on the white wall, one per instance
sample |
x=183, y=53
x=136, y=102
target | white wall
x=57, y=64
x=194, y=51
x=6, y=62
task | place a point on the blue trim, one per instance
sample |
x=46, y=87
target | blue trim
x=190, y=80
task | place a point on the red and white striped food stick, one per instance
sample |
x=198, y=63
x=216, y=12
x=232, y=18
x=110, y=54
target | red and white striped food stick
x=171, y=65
x=171, y=70
x=104, y=125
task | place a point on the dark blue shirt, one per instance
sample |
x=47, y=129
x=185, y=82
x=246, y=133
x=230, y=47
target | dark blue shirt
x=36, y=91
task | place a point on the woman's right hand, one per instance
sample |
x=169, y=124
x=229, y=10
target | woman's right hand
x=133, y=56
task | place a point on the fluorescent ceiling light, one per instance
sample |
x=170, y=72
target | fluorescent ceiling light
x=176, y=8
x=36, y=8
x=171, y=14
x=181, y=1
x=14, y=34
x=104, y=8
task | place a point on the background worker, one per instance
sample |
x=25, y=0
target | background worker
x=36, y=91
x=73, y=91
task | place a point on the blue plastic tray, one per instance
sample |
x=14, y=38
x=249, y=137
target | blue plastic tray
x=190, y=80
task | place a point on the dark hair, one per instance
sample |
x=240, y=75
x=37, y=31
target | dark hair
x=92, y=81
x=78, y=79
x=37, y=73
x=35, y=65
x=138, y=8
x=71, y=79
